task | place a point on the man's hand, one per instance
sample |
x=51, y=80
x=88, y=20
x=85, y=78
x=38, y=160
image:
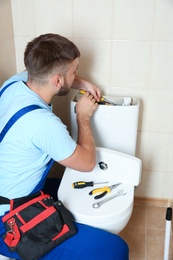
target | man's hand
x=86, y=106
x=80, y=83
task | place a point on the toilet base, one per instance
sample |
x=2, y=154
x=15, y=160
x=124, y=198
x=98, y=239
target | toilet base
x=114, y=227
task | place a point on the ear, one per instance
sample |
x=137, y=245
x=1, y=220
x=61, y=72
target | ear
x=58, y=81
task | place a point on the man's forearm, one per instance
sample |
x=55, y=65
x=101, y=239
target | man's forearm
x=86, y=139
x=79, y=83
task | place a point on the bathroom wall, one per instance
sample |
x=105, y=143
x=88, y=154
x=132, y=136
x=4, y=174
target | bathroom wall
x=127, y=49
x=7, y=50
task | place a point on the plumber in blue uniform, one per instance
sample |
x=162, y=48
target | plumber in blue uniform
x=39, y=137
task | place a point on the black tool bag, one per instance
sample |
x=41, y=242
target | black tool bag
x=36, y=224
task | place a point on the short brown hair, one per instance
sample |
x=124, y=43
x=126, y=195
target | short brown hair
x=47, y=53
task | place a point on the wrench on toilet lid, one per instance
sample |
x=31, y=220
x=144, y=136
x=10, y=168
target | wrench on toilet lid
x=119, y=193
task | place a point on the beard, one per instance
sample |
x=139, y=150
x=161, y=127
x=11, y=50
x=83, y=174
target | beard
x=64, y=89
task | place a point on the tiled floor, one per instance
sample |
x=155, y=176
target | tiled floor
x=145, y=233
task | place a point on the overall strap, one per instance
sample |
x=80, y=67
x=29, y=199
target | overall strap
x=15, y=117
x=2, y=91
x=42, y=181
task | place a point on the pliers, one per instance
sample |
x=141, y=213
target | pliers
x=105, y=189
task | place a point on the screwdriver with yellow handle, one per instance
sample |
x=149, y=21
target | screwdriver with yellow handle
x=102, y=99
x=83, y=184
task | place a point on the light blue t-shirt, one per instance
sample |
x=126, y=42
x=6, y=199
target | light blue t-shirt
x=31, y=142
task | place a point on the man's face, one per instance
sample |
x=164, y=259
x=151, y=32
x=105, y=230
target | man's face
x=69, y=78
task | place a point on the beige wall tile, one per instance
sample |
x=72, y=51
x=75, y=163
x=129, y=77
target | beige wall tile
x=8, y=65
x=130, y=64
x=54, y=16
x=156, y=151
x=161, y=74
x=6, y=24
x=155, y=185
x=93, y=19
x=1, y=69
x=163, y=29
x=7, y=50
x=130, y=19
x=159, y=111
x=23, y=17
x=95, y=62
x=20, y=45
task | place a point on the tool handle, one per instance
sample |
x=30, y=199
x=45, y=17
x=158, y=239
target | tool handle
x=82, y=184
x=105, y=188
x=102, y=99
x=81, y=91
x=101, y=195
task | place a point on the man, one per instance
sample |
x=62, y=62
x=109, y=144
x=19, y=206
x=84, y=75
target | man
x=38, y=137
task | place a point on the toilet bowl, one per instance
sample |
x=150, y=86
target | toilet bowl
x=112, y=167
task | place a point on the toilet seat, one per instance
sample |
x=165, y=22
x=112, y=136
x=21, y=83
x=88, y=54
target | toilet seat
x=79, y=202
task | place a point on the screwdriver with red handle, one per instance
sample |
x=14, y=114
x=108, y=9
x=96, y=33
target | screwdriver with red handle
x=84, y=184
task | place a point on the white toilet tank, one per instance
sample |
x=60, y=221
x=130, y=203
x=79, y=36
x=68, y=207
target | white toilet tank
x=114, y=126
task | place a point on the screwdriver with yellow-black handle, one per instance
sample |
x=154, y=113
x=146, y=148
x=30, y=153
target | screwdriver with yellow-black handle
x=102, y=99
x=84, y=184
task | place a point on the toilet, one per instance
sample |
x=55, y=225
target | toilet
x=115, y=132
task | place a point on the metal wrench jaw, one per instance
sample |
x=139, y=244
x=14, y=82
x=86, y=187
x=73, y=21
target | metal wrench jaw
x=119, y=193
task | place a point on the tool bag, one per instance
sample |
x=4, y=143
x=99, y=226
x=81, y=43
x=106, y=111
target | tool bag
x=36, y=224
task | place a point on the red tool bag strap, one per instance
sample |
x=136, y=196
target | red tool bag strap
x=22, y=207
x=13, y=235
